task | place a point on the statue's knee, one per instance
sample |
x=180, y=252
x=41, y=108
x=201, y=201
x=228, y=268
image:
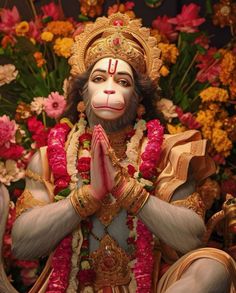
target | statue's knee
x=211, y=275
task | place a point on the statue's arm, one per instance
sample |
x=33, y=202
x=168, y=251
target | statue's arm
x=178, y=227
x=38, y=230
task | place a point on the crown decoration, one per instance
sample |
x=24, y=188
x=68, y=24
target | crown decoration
x=118, y=37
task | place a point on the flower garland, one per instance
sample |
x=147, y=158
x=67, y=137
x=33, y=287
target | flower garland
x=144, y=240
x=63, y=167
x=61, y=260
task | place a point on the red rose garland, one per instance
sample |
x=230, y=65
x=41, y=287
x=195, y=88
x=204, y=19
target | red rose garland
x=61, y=261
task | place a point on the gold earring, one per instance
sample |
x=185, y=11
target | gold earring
x=81, y=109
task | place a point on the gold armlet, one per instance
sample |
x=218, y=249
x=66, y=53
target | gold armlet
x=134, y=197
x=83, y=202
x=26, y=201
x=193, y=202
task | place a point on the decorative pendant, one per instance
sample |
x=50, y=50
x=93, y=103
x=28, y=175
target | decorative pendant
x=111, y=264
x=108, y=211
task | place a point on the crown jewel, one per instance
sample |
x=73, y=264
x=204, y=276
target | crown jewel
x=118, y=37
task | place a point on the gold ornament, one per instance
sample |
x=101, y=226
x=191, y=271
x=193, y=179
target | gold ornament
x=110, y=263
x=117, y=37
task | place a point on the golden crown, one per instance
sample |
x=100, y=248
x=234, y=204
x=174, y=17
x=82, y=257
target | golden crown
x=118, y=37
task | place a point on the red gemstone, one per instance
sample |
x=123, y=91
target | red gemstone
x=109, y=261
x=118, y=22
x=116, y=42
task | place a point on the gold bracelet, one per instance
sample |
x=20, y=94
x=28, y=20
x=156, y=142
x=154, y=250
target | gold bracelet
x=83, y=202
x=134, y=197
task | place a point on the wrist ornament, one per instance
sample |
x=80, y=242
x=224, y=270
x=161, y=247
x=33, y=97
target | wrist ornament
x=83, y=202
x=134, y=196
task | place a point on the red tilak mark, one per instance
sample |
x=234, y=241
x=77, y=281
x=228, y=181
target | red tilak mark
x=112, y=70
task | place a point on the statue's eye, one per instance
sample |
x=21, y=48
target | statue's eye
x=98, y=79
x=123, y=82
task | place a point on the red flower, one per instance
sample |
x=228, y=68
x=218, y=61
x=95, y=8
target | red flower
x=187, y=119
x=83, y=164
x=147, y=170
x=51, y=10
x=14, y=152
x=161, y=23
x=34, y=125
x=209, y=67
x=41, y=138
x=188, y=20
x=86, y=276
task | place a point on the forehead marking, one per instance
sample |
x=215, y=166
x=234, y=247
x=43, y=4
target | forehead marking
x=112, y=67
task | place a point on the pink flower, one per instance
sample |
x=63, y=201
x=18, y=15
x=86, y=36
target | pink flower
x=7, y=131
x=54, y=105
x=161, y=23
x=188, y=20
x=202, y=41
x=34, y=30
x=51, y=10
x=209, y=67
x=9, y=18
x=187, y=119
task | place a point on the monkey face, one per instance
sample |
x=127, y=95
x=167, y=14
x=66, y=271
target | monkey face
x=110, y=88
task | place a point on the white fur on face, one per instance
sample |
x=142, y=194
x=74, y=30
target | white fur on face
x=110, y=88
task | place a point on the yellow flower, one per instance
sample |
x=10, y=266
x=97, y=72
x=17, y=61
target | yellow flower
x=227, y=66
x=47, y=36
x=22, y=28
x=173, y=129
x=62, y=47
x=164, y=71
x=221, y=142
x=169, y=52
x=61, y=28
x=214, y=94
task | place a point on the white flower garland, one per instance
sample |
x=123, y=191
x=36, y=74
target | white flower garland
x=133, y=145
x=72, y=152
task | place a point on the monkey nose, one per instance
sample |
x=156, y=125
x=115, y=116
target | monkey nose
x=109, y=92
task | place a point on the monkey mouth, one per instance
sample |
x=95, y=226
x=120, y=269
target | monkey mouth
x=105, y=107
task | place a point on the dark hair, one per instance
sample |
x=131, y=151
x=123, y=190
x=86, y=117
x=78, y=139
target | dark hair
x=146, y=90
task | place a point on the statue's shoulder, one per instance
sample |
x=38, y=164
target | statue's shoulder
x=179, y=151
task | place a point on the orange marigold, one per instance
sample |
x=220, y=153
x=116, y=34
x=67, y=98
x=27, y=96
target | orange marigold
x=169, y=52
x=221, y=142
x=227, y=66
x=214, y=94
x=60, y=28
x=62, y=47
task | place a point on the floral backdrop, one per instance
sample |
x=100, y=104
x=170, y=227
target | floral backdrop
x=198, y=91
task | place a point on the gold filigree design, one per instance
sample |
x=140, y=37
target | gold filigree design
x=118, y=37
x=193, y=202
x=108, y=211
x=111, y=264
x=26, y=201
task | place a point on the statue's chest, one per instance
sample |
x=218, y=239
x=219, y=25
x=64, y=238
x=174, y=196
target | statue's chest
x=118, y=230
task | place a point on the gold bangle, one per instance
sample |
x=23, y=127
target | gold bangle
x=83, y=202
x=134, y=197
